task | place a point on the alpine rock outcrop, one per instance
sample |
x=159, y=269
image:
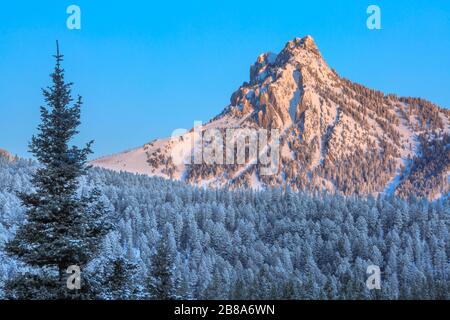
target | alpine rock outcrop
x=334, y=135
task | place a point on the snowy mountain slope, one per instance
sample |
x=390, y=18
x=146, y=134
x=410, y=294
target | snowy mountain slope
x=335, y=135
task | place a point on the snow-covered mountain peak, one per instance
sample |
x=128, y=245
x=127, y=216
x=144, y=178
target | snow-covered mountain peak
x=284, y=85
x=335, y=135
x=305, y=43
x=299, y=50
x=298, y=54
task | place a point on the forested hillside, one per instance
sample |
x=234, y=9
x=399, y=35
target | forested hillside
x=219, y=244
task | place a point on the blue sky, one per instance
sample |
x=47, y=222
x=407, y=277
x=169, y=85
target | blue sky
x=145, y=68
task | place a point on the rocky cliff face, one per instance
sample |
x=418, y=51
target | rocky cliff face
x=334, y=135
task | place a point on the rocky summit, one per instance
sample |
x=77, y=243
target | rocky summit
x=334, y=135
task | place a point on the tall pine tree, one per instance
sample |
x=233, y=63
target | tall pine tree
x=162, y=284
x=62, y=228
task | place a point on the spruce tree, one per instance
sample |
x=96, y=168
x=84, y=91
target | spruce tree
x=162, y=284
x=63, y=227
x=119, y=280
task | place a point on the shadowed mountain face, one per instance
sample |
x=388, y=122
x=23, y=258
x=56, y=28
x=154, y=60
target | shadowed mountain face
x=334, y=135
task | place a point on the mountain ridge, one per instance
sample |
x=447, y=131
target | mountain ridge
x=335, y=135
x=7, y=155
